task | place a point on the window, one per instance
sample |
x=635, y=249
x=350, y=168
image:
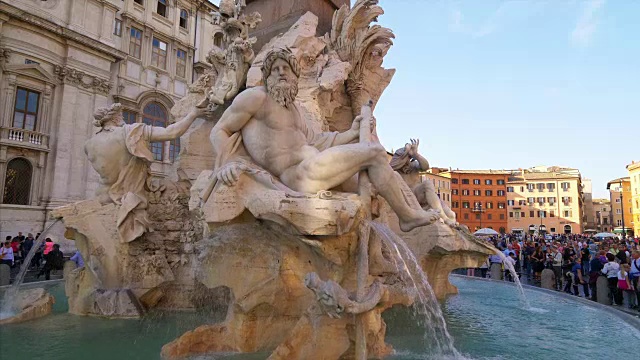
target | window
x=522, y=202
x=551, y=186
x=510, y=202
x=565, y=186
x=500, y=182
x=501, y=205
x=488, y=193
x=501, y=216
x=466, y=216
x=465, y=192
x=523, y=214
x=162, y=8
x=489, y=205
x=141, y=2
x=455, y=204
x=135, y=43
x=128, y=117
x=465, y=181
x=117, y=27
x=551, y=200
x=553, y=230
x=530, y=187
x=17, y=182
x=477, y=205
x=488, y=182
x=552, y=213
x=159, y=54
x=183, y=18
x=476, y=192
x=618, y=211
x=530, y=200
x=566, y=199
x=155, y=115
x=532, y=214
x=454, y=181
x=567, y=213
x=617, y=200
x=542, y=214
x=540, y=186
x=510, y=214
x=476, y=181
x=181, y=63
x=540, y=200
x=500, y=192
x=619, y=222
x=509, y=188
x=489, y=216
x=454, y=192
x=25, y=111
x=174, y=149
x=465, y=204
x=477, y=216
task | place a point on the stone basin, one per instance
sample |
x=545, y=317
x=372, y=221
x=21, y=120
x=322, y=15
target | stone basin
x=32, y=304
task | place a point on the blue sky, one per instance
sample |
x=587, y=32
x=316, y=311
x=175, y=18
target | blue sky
x=510, y=84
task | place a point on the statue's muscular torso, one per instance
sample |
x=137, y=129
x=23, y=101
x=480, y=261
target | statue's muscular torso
x=275, y=136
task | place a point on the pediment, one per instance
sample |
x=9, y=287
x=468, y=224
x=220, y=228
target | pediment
x=31, y=70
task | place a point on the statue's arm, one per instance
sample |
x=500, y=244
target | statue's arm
x=242, y=109
x=176, y=130
x=422, y=163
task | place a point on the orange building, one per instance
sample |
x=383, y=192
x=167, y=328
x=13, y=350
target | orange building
x=479, y=198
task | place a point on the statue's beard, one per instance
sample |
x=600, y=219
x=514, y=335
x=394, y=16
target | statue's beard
x=284, y=93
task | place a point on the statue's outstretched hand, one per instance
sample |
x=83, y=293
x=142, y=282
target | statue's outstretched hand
x=230, y=173
x=413, y=148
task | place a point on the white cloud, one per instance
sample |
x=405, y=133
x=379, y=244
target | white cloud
x=489, y=26
x=587, y=23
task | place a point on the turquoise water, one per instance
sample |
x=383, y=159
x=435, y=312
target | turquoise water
x=485, y=320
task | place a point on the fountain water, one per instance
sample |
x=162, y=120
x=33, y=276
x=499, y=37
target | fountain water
x=9, y=304
x=516, y=279
x=427, y=305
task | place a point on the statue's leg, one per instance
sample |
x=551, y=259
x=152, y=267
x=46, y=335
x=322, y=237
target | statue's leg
x=334, y=166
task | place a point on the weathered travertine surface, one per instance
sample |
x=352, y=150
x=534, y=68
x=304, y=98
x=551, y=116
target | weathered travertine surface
x=33, y=304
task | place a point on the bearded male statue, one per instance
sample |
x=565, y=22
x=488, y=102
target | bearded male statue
x=120, y=154
x=276, y=138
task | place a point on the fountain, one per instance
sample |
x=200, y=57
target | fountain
x=285, y=231
x=516, y=279
x=16, y=307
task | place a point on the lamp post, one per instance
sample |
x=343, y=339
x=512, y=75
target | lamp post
x=624, y=231
x=477, y=208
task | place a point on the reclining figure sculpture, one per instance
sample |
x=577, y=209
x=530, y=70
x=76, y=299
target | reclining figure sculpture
x=263, y=134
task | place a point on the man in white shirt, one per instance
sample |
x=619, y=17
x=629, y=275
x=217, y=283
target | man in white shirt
x=634, y=275
x=6, y=254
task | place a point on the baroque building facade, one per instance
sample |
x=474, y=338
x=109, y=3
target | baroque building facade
x=60, y=60
x=621, y=205
x=634, y=179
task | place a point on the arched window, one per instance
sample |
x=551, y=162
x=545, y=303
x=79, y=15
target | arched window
x=217, y=39
x=17, y=182
x=567, y=229
x=183, y=18
x=155, y=115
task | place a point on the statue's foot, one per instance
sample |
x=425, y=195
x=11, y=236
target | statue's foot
x=451, y=223
x=422, y=218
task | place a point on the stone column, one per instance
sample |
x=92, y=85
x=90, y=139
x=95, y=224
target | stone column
x=496, y=271
x=5, y=274
x=602, y=287
x=9, y=94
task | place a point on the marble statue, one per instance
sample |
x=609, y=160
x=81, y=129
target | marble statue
x=268, y=124
x=410, y=163
x=120, y=154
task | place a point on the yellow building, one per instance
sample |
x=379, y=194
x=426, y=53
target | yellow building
x=602, y=215
x=634, y=177
x=545, y=200
x=621, y=205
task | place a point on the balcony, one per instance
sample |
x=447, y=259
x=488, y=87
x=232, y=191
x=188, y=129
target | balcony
x=24, y=138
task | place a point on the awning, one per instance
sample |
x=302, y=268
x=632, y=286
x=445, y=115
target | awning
x=619, y=230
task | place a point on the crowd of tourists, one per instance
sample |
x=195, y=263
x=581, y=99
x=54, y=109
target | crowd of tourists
x=576, y=262
x=46, y=258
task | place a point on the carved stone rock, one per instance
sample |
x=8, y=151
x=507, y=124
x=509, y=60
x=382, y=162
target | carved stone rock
x=32, y=304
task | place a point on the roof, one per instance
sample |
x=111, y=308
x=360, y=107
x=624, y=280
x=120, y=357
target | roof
x=618, y=181
x=542, y=176
x=634, y=165
x=483, y=172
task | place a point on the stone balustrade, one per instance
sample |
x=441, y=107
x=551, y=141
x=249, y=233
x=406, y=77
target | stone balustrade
x=26, y=137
